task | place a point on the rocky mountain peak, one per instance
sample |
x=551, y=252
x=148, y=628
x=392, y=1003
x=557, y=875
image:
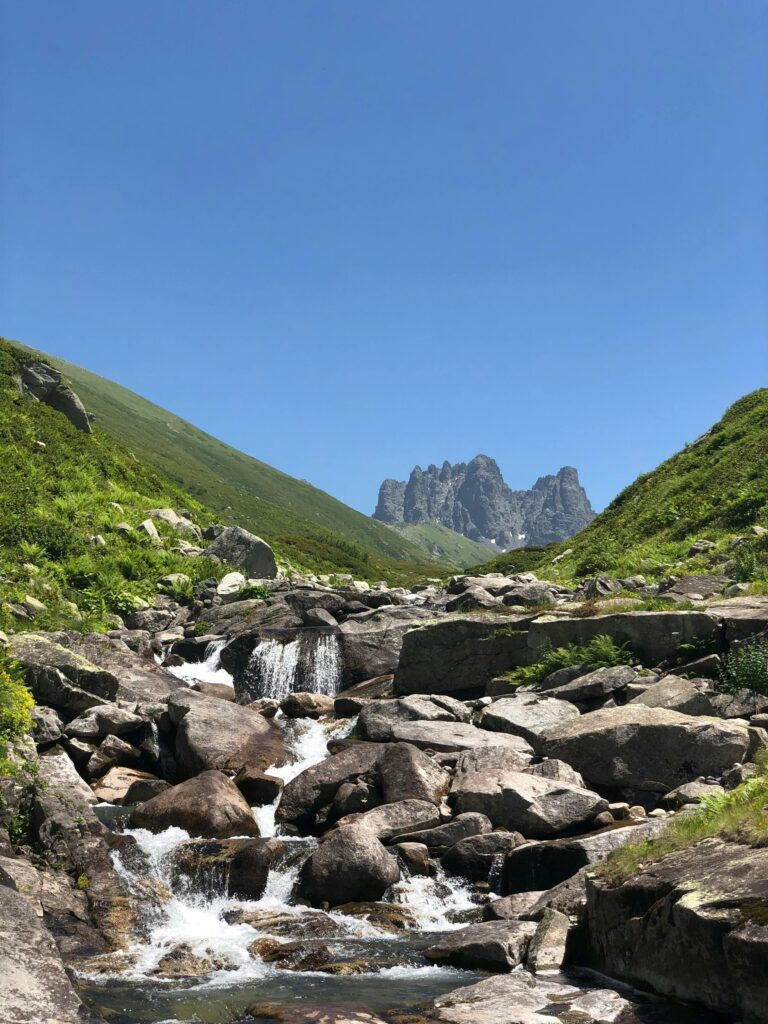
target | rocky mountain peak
x=473, y=499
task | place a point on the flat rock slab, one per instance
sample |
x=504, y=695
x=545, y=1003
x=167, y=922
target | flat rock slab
x=527, y=715
x=454, y=737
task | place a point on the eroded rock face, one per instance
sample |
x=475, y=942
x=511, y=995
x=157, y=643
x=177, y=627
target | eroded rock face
x=47, y=385
x=692, y=927
x=34, y=987
x=647, y=748
x=350, y=864
x=209, y=806
x=241, y=864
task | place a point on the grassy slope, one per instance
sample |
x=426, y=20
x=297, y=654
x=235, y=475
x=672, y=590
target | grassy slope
x=305, y=524
x=439, y=542
x=713, y=489
x=57, y=487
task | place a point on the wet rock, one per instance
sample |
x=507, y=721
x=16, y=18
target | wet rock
x=307, y=705
x=395, y=819
x=647, y=748
x=490, y=946
x=239, y=867
x=245, y=551
x=325, y=1013
x=291, y=956
x=350, y=863
x=527, y=714
x=479, y=857
x=316, y=787
x=371, y=642
x=183, y=962
x=209, y=806
x=387, y=917
x=214, y=734
x=258, y=788
x=415, y=856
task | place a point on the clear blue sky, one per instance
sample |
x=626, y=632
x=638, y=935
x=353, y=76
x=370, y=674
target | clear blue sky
x=348, y=237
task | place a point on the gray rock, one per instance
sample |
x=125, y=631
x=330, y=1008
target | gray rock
x=547, y=949
x=243, y=865
x=690, y=793
x=244, y=550
x=407, y=773
x=100, y=721
x=377, y=719
x=44, y=383
x=209, y=806
x=371, y=643
x=391, y=820
x=307, y=705
x=34, y=986
x=490, y=946
x=480, y=857
x=450, y=737
x=471, y=599
x=349, y=865
x=47, y=726
x=527, y=715
x=559, y=771
x=600, y=683
x=647, y=748
x=511, y=908
x=443, y=837
x=60, y=678
x=316, y=787
x=676, y=694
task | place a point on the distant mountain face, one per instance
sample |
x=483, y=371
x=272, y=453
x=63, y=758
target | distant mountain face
x=473, y=499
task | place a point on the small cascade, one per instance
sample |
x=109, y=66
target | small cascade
x=309, y=662
x=208, y=670
x=436, y=901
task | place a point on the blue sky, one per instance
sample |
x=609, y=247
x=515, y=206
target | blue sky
x=348, y=237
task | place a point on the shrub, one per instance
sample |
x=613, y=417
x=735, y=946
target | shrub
x=602, y=652
x=251, y=591
x=16, y=704
x=746, y=668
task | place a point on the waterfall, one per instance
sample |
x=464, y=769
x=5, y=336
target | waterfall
x=208, y=670
x=310, y=662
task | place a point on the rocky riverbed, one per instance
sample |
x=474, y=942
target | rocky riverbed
x=327, y=802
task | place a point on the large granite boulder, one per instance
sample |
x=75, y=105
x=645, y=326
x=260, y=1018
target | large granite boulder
x=490, y=946
x=350, y=865
x=676, y=694
x=377, y=719
x=44, y=383
x=371, y=642
x=528, y=715
x=407, y=773
x=246, y=551
x=59, y=677
x=209, y=806
x=388, y=821
x=213, y=733
x=692, y=927
x=461, y=654
x=648, y=748
x=454, y=737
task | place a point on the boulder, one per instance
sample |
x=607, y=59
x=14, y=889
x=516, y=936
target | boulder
x=47, y=726
x=395, y=819
x=371, y=642
x=177, y=522
x=349, y=865
x=531, y=595
x=244, y=550
x=258, y=788
x=209, y=806
x=690, y=927
x=647, y=748
x=460, y=654
x=559, y=771
x=471, y=599
x=480, y=857
x=213, y=733
x=242, y=864
x=378, y=718
x=103, y=720
x=489, y=946
x=45, y=384
x=34, y=986
x=60, y=678
x=117, y=783
x=454, y=737
x=522, y=998
x=144, y=789
x=593, y=685
x=316, y=787
x=139, y=678
x=675, y=694
x=307, y=705
x=511, y=908
x=690, y=793
x=547, y=949
x=443, y=837
x=533, y=805
x=407, y=773
x=527, y=715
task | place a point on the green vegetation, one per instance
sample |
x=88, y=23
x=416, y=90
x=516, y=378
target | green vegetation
x=16, y=704
x=746, y=668
x=439, y=542
x=251, y=591
x=60, y=489
x=304, y=524
x=602, y=652
x=740, y=815
x=714, y=489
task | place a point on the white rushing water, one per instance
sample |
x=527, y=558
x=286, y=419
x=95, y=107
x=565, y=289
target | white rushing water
x=311, y=662
x=208, y=670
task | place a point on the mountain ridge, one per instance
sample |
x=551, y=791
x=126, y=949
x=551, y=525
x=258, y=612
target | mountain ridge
x=473, y=499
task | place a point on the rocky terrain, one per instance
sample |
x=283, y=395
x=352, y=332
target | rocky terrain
x=453, y=815
x=472, y=499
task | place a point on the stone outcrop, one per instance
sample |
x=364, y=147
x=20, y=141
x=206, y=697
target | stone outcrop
x=473, y=499
x=46, y=385
x=245, y=551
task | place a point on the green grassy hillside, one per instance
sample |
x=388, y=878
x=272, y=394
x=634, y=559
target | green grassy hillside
x=713, y=489
x=59, y=488
x=306, y=525
x=437, y=541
